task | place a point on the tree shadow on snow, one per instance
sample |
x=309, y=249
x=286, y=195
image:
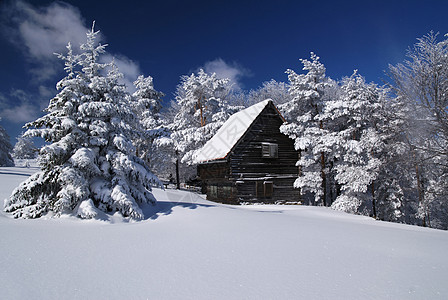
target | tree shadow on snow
x=14, y=173
x=166, y=204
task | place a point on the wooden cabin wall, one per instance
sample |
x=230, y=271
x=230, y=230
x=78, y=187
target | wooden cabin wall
x=216, y=183
x=241, y=177
x=247, y=166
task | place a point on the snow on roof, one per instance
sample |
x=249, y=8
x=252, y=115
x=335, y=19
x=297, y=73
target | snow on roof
x=230, y=133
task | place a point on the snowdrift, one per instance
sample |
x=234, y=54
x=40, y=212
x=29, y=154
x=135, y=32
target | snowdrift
x=190, y=248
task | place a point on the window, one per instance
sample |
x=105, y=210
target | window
x=226, y=191
x=269, y=150
x=213, y=191
x=219, y=191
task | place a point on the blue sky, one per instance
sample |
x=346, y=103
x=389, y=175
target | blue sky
x=249, y=41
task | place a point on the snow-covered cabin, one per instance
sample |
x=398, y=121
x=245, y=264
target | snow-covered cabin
x=249, y=159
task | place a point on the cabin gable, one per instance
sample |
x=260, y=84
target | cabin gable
x=259, y=168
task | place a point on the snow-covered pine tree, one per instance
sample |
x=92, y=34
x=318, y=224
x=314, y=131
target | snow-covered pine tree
x=390, y=196
x=277, y=91
x=24, y=148
x=203, y=108
x=355, y=143
x=390, y=187
x=147, y=103
x=5, y=149
x=308, y=92
x=166, y=162
x=89, y=163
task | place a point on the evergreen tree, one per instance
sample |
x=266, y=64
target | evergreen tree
x=277, y=91
x=89, y=163
x=167, y=162
x=390, y=187
x=24, y=148
x=356, y=143
x=309, y=93
x=202, y=108
x=147, y=104
x=5, y=149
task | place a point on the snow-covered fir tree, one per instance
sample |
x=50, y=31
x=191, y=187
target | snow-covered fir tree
x=147, y=103
x=389, y=188
x=24, y=148
x=355, y=143
x=309, y=93
x=277, y=91
x=89, y=164
x=166, y=161
x=202, y=101
x=5, y=149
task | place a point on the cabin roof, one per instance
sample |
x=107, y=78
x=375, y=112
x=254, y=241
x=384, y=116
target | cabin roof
x=225, y=139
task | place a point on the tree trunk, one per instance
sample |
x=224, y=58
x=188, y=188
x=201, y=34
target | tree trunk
x=324, y=178
x=201, y=111
x=373, y=199
x=420, y=192
x=322, y=172
x=177, y=171
x=333, y=184
x=300, y=174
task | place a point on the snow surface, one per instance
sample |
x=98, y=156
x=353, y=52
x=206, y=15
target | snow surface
x=230, y=133
x=190, y=248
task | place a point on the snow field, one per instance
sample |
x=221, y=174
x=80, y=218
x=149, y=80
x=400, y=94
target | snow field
x=190, y=248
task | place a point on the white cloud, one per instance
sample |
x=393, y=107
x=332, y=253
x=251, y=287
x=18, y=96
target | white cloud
x=233, y=71
x=19, y=94
x=48, y=30
x=42, y=31
x=3, y=99
x=46, y=92
x=20, y=114
x=19, y=108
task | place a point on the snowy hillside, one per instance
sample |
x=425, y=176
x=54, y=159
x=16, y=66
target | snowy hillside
x=190, y=248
